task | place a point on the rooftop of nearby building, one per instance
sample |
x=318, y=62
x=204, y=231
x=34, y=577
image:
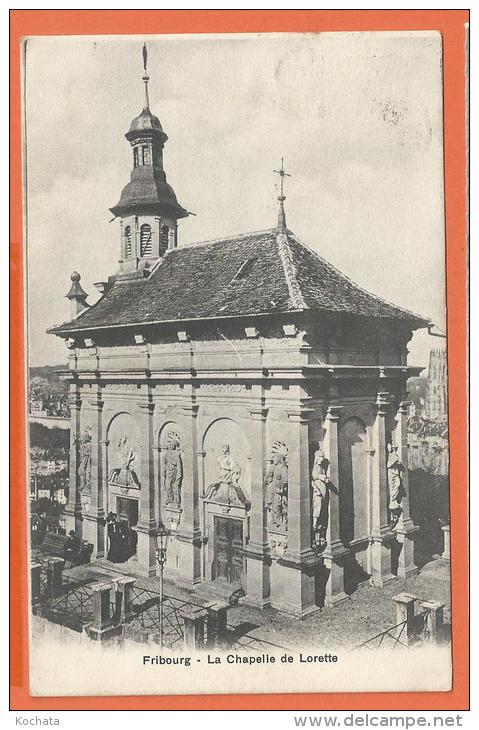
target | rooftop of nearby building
x=266, y=272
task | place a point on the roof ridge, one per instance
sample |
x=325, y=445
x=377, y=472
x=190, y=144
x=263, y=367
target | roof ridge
x=295, y=293
x=353, y=283
x=233, y=236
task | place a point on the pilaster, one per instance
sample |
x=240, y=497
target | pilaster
x=73, y=509
x=147, y=524
x=381, y=536
x=295, y=592
x=335, y=555
x=188, y=535
x=406, y=530
x=257, y=551
x=94, y=513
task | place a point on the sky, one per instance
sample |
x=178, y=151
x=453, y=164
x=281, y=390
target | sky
x=356, y=116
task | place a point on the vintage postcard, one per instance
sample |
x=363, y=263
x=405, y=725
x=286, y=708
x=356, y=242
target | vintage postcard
x=238, y=442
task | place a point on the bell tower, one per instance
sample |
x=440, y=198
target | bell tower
x=148, y=208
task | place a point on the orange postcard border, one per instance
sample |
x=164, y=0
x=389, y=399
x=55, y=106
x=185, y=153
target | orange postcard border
x=453, y=26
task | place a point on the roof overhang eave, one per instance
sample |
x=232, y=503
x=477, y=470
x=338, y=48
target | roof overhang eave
x=61, y=332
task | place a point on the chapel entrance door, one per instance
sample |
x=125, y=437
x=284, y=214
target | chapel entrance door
x=228, y=561
x=127, y=510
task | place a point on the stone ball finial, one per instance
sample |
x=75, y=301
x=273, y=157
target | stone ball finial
x=75, y=276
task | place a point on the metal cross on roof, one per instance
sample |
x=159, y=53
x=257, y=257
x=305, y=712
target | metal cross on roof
x=282, y=174
x=146, y=78
x=282, y=197
x=145, y=56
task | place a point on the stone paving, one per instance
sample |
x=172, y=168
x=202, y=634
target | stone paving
x=367, y=612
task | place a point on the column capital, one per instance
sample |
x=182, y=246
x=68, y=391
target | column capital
x=383, y=402
x=95, y=404
x=300, y=415
x=191, y=409
x=334, y=413
x=74, y=401
x=145, y=406
x=404, y=407
x=258, y=414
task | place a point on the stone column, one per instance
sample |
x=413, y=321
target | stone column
x=405, y=612
x=73, y=511
x=35, y=582
x=217, y=632
x=104, y=468
x=434, y=625
x=123, y=589
x=405, y=530
x=147, y=524
x=295, y=593
x=257, y=550
x=157, y=479
x=335, y=555
x=381, y=536
x=194, y=628
x=54, y=576
x=101, y=627
x=446, y=553
x=188, y=534
x=200, y=471
x=94, y=514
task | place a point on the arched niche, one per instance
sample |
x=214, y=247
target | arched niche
x=353, y=480
x=171, y=465
x=225, y=438
x=124, y=452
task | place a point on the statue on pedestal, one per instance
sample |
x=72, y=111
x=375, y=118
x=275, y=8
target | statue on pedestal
x=395, y=483
x=84, y=470
x=320, y=485
x=276, y=483
x=172, y=471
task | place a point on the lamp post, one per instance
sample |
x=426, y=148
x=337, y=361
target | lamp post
x=162, y=535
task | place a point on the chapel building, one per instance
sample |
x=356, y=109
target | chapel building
x=246, y=393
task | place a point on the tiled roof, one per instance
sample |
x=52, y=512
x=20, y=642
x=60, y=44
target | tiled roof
x=256, y=273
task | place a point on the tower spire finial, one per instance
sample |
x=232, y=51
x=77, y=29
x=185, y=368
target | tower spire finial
x=146, y=78
x=281, y=197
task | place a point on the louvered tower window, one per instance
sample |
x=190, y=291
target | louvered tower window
x=145, y=240
x=127, y=242
x=146, y=155
x=165, y=232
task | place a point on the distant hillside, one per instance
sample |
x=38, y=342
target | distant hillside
x=49, y=372
x=54, y=440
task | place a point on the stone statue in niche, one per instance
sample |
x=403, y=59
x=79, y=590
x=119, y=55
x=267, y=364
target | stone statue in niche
x=124, y=473
x=84, y=444
x=395, y=483
x=228, y=487
x=320, y=485
x=172, y=470
x=276, y=483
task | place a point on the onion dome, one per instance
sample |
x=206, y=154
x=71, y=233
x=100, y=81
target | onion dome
x=146, y=124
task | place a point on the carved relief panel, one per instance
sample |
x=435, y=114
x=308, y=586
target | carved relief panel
x=227, y=464
x=124, y=447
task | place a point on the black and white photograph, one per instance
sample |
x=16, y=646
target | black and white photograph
x=237, y=363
